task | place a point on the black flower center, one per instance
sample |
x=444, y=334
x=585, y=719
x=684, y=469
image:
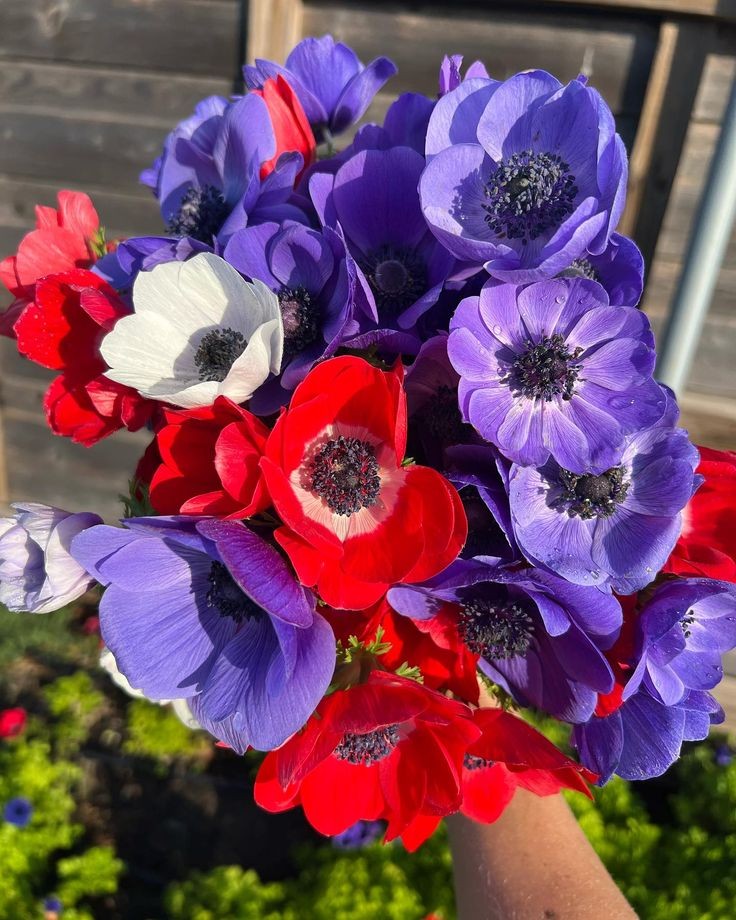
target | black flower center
x=588, y=496
x=365, y=750
x=471, y=762
x=217, y=352
x=440, y=417
x=527, y=194
x=546, y=369
x=581, y=268
x=201, y=214
x=397, y=276
x=496, y=627
x=228, y=598
x=344, y=472
x=301, y=317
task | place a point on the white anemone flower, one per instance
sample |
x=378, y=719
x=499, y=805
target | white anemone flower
x=198, y=331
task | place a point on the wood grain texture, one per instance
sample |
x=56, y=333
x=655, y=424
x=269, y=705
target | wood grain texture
x=274, y=27
x=615, y=53
x=189, y=36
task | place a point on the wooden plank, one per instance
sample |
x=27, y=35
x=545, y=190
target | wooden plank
x=719, y=9
x=616, y=53
x=274, y=27
x=142, y=97
x=718, y=75
x=189, y=36
x=662, y=280
x=710, y=421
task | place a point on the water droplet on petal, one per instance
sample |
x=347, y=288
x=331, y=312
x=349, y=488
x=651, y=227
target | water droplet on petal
x=560, y=298
x=496, y=330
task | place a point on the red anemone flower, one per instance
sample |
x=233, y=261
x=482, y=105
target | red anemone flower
x=62, y=240
x=389, y=748
x=510, y=754
x=62, y=329
x=357, y=520
x=707, y=545
x=12, y=722
x=209, y=462
x=290, y=123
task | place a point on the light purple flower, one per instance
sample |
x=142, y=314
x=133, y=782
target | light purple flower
x=619, y=268
x=613, y=529
x=643, y=738
x=207, y=611
x=538, y=636
x=332, y=85
x=525, y=176
x=314, y=279
x=451, y=69
x=37, y=572
x=551, y=369
x=683, y=630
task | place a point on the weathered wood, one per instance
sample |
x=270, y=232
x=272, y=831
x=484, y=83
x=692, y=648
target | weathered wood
x=616, y=53
x=718, y=75
x=142, y=97
x=710, y=421
x=662, y=280
x=719, y=9
x=274, y=27
x=189, y=36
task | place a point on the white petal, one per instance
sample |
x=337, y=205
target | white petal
x=143, y=349
x=252, y=368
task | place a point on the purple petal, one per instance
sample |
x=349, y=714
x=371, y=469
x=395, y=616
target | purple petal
x=359, y=93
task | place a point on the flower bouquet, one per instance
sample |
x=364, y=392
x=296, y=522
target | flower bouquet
x=406, y=444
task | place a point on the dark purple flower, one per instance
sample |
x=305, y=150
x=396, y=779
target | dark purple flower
x=551, y=369
x=314, y=278
x=373, y=198
x=538, y=636
x=18, y=811
x=359, y=835
x=619, y=268
x=450, y=73
x=723, y=755
x=332, y=85
x=614, y=529
x=525, y=176
x=683, y=630
x=643, y=738
x=208, y=180
x=205, y=610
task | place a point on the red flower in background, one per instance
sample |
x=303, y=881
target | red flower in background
x=389, y=748
x=12, y=722
x=434, y=646
x=290, y=123
x=356, y=519
x=61, y=329
x=707, y=545
x=62, y=240
x=210, y=462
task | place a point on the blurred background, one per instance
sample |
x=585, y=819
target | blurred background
x=88, y=91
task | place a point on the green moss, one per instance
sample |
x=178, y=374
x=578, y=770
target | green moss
x=155, y=732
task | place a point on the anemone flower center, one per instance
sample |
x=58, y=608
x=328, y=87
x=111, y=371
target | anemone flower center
x=528, y=194
x=580, y=268
x=687, y=621
x=227, y=597
x=590, y=496
x=201, y=214
x=344, y=472
x=372, y=747
x=495, y=628
x=217, y=352
x=546, y=369
x=441, y=418
x=301, y=317
x=397, y=276
x=471, y=762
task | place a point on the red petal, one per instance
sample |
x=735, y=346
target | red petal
x=486, y=792
x=337, y=794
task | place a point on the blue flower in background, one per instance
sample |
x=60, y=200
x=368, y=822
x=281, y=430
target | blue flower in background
x=18, y=811
x=359, y=835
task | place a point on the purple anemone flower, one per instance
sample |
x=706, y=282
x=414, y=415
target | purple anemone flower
x=334, y=88
x=552, y=369
x=525, y=176
x=37, y=572
x=205, y=610
x=18, y=811
x=208, y=180
x=613, y=529
x=538, y=636
x=358, y=835
x=142, y=253
x=619, y=268
x=314, y=278
x=451, y=70
x=481, y=476
x=402, y=267
x=683, y=630
x=643, y=738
